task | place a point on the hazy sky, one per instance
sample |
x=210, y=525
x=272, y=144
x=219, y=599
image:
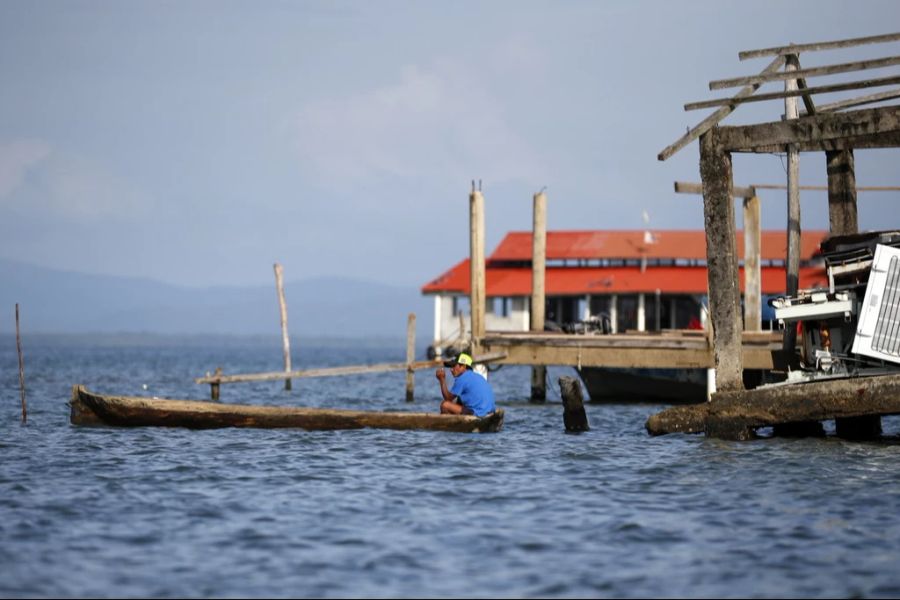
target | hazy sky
x=199, y=142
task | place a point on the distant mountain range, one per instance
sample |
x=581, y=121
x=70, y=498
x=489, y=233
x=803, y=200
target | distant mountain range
x=53, y=301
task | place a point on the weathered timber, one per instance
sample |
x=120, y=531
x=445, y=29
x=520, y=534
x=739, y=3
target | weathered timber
x=822, y=89
x=477, y=267
x=862, y=65
x=711, y=121
x=126, y=411
x=21, y=367
x=792, y=261
x=822, y=131
x=687, y=349
x=842, y=207
x=538, y=277
x=721, y=260
x=859, y=101
x=338, y=371
x=687, y=187
x=574, y=417
x=890, y=139
x=410, y=357
x=752, y=270
x=282, y=309
x=832, y=45
x=735, y=415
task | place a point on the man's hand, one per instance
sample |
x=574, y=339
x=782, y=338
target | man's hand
x=440, y=374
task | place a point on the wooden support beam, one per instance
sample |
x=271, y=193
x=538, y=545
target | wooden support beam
x=684, y=187
x=752, y=271
x=820, y=131
x=710, y=121
x=842, y=207
x=822, y=89
x=721, y=260
x=860, y=101
x=875, y=63
x=792, y=262
x=218, y=378
x=833, y=45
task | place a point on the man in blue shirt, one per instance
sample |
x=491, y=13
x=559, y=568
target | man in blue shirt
x=471, y=393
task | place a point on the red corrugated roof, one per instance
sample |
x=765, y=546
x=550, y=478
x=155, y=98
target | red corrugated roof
x=609, y=280
x=690, y=245
x=628, y=245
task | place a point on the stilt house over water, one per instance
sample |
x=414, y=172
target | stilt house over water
x=606, y=281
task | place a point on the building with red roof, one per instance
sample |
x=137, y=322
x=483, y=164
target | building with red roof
x=639, y=280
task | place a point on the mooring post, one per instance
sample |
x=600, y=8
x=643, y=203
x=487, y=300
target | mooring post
x=410, y=356
x=21, y=367
x=285, y=339
x=574, y=417
x=214, y=385
x=538, y=275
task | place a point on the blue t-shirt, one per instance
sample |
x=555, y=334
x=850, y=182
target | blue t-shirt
x=474, y=392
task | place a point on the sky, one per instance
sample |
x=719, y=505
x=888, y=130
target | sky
x=197, y=143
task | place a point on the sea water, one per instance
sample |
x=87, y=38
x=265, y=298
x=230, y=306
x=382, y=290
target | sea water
x=528, y=512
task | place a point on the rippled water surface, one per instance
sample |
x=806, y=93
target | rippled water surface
x=530, y=511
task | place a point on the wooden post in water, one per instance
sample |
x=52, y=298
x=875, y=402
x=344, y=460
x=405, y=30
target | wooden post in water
x=752, y=285
x=21, y=367
x=791, y=111
x=476, y=267
x=214, y=386
x=410, y=356
x=574, y=417
x=285, y=339
x=538, y=274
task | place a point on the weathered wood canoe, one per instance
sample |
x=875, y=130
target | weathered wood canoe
x=88, y=408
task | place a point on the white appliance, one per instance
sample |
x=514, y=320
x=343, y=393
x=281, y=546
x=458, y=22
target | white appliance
x=878, y=328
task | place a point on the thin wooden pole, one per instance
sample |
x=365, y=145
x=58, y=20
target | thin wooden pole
x=410, y=356
x=538, y=275
x=476, y=266
x=21, y=367
x=791, y=111
x=285, y=339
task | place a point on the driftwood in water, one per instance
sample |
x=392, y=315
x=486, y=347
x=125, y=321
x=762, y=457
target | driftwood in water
x=574, y=416
x=124, y=411
x=736, y=414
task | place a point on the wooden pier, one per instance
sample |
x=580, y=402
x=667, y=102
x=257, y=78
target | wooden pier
x=856, y=404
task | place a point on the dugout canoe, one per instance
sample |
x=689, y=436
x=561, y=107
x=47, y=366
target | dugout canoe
x=88, y=408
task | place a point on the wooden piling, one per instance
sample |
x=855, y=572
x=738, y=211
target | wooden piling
x=477, y=270
x=842, y=207
x=538, y=274
x=574, y=417
x=410, y=356
x=752, y=272
x=791, y=112
x=215, y=384
x=285, y=339
x=721, y=258
x=21, y=368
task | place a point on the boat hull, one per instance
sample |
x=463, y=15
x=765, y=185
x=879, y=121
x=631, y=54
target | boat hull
x=677, y=386
x=88, y=408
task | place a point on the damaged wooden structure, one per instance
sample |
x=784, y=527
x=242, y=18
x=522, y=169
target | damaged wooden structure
x=856, y=404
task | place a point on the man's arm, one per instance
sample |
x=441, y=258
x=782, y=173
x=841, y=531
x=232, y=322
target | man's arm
x=442, y=378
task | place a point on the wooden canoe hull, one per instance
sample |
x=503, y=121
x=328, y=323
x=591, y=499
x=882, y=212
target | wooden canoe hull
x=88, y=408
